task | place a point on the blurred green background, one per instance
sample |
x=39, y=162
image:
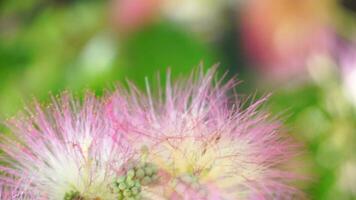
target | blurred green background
x=302, y=51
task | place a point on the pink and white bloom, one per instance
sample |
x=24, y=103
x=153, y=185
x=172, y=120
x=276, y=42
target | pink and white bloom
x=205, y=142
x=67, y=150
x=195, y=140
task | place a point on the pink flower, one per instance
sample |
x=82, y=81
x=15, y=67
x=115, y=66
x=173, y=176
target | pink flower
x=281, y=36
x=67, y=150
x=204, y=141
x=195, y=140
x=130, y=15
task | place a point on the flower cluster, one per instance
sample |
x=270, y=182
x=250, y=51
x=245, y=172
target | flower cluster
x=67, y=150
x=194, y=140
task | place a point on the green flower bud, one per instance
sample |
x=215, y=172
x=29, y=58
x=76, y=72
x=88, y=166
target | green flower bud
x=130, y=183
x=148, y=171
x=140, y=165
x=146, y=180
x=155, y=177
x=122, y=186
x=127, y=193
x=131, y=173
x=140, y=173
x=137, y=184
x=154, y=168
x=134, y=191
x=72, y=195
x=120, y=196
x=121, y=179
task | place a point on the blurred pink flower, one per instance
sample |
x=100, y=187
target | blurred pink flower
x=205, y=17
x=67, y=150
x=133, y=14
x=281, y=35
x=205, y=142
x=347, y=61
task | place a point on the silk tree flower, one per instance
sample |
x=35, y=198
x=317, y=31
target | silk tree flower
x=67, y=150
x=204, y=142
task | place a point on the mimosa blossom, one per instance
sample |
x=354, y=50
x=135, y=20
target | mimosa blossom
x=67, y=150
x=205, y=142
x=196, y=140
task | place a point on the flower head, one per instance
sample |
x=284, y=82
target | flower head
x=204, y=142
x=67, y=150
x=196, y=140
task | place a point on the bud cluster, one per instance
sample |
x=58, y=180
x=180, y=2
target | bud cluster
x=73, y=195
x=129, y=186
